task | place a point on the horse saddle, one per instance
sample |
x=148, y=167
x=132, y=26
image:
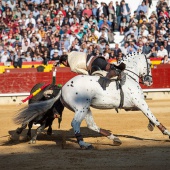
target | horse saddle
x=104, y=81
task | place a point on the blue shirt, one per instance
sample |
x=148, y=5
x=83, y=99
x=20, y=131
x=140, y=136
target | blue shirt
x=37, y=1
x=94, y=11
x=142, y=8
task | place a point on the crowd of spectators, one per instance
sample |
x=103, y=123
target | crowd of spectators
x=43, y=30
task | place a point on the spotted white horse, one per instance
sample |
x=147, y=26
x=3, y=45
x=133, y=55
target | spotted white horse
x=84, y=91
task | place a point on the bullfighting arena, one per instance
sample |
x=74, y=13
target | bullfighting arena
x=140, y=149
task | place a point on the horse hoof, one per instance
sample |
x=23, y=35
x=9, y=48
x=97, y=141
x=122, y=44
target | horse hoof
x=150, y=127
x=90, y=147
x=117, y=142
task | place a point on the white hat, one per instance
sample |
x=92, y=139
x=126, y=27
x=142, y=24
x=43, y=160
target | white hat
x=134, y=27
x=20, y=20
x=55, y=51
x=60, y=13
x=5, y=37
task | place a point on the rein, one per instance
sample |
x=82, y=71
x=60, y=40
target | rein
x=138, y=75
x=135, y=75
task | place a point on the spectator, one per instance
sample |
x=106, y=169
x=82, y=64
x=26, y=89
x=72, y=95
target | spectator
x=4, y=56
x=118, y=14
x=124, y=49
x=146, y=48
x=112, y=54
x=111, y=11
x=166, y=60
x=132, y=47
x=102, y=10
x=123, y=26
x=162, y=52
x=142, y=7
x=117, y=50
x=125, y=10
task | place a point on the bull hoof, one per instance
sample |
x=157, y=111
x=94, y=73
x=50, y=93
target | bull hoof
x=49, y=133
x=19, y=130
x=32, y=141
x=117, y=141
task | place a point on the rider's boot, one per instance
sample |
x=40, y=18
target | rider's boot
x=115, y=70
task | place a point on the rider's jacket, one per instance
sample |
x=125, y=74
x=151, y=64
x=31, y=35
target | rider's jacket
x=80, y=63
x=77, y=62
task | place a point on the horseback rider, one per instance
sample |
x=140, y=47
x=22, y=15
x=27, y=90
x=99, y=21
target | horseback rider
x=82, y=63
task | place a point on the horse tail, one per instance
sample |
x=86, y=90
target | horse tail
x=28, y=113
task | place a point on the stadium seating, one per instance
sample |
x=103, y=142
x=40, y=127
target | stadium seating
x=49, y=66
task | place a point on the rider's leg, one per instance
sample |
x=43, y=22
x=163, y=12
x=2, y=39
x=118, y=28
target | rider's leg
x=115, y=70
x=92, y=125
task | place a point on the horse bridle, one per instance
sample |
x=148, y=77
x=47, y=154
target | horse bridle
x=147, y=75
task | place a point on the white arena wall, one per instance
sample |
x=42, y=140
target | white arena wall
x=150, y=94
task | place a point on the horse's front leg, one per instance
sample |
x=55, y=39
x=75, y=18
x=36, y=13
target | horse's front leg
x=39, y=130
x=142, y=105
x=92, y=125
x=76, y=122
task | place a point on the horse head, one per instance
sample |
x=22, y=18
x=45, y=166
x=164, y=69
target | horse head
x=145, y=70
x=138, y=67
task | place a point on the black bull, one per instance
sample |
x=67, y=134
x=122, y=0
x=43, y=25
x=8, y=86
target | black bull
x=46, y=119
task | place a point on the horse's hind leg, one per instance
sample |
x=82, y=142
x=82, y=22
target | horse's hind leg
x=76, y=122
x=142, y=105
x=92, y=125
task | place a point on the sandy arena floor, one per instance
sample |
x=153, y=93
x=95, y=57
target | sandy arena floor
x=140, y=149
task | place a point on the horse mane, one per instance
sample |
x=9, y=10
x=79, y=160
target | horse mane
x=130, y=56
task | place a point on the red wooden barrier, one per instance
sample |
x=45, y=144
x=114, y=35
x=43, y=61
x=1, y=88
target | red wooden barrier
x=23, y=82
